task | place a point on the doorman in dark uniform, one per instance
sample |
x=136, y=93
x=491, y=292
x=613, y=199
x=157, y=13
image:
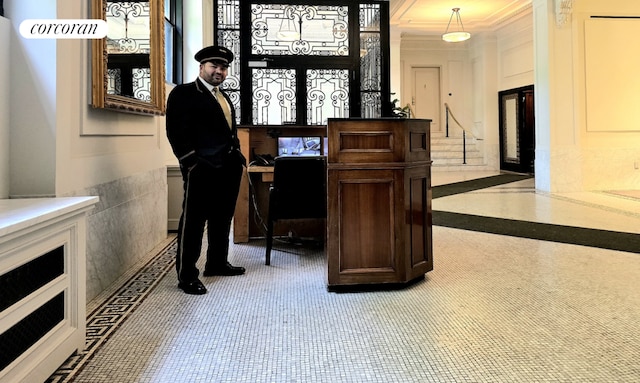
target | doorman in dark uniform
x=202, y=131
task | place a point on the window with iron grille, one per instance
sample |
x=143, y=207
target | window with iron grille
x=301, y=62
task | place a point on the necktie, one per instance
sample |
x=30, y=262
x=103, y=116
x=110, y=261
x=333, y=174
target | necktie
x=223, y=103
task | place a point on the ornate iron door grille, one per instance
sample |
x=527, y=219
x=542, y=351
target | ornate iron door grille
x=330, y=57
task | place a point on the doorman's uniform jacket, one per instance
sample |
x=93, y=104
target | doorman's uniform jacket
x=197, y=128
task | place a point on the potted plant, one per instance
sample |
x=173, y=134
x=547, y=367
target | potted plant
x=400, y=112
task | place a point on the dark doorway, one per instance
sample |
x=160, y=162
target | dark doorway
x=517, y=130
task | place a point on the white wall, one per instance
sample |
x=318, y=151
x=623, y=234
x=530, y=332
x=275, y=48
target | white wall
x=455, y=73
x=508, y=65
x=485, y=100
x=395, y=63
x=473, y=73
x=573, y=157
x=194, y=37
x=5, y=107
x=58, y=142
x=610, y=147
x=532, y=49
x=95, y=146
x=515, y=64
x=61, y=146
x=32, y=82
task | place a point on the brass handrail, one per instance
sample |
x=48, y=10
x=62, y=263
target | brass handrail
x=464, y=132
x=450, y=113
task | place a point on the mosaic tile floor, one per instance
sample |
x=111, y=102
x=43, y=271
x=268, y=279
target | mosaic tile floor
x=115, y=307
x=494, y=309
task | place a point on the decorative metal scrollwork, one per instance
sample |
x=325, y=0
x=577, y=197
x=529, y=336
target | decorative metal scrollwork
x=284, y=29
x=122, y=14
x=274, y=84
x=327, y=83
x=128, y=65
x=323, y=31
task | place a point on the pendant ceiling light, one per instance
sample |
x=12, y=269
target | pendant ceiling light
x=459, y=33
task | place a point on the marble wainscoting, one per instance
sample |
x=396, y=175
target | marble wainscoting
x=128, y=222
x=612, y=169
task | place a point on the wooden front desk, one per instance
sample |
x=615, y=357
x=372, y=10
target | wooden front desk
x=379, y=201
x=265, y=172
x=262, y=139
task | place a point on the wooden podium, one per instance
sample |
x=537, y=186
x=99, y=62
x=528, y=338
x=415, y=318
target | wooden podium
x=379, y=202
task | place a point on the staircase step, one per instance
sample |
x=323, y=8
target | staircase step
x=452, y=146
x=460, y=168
x=448, y=153
x=457, y=161
x=455, y=154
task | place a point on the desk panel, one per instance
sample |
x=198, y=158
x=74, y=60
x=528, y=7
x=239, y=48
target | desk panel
x=262, y=139
x=266, y=172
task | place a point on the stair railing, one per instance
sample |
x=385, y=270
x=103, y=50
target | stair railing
x=464, y=132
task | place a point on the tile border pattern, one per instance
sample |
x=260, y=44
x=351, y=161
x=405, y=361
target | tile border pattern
x=105, y=319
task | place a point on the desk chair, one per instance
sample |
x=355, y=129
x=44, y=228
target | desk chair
x=299, y=190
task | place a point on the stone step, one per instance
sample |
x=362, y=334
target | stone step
x=457, y=161
x=451, y=148
x=448, y=153
x=450, y=139
x=455, y=154
x=460, y=168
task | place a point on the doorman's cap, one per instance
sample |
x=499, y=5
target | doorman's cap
x=214, y=53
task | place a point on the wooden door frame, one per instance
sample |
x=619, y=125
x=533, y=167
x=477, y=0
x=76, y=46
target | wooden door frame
x=525, y=126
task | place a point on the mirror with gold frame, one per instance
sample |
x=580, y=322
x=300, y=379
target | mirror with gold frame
x=128, y=64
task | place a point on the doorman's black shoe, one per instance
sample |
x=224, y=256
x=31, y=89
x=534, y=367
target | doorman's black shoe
x=227, y=270
x=194, y=287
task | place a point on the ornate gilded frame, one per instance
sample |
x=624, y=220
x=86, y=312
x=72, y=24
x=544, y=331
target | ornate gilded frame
x=100, y=98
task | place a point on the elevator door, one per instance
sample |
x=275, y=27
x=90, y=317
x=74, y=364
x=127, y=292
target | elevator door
x=517, y=130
